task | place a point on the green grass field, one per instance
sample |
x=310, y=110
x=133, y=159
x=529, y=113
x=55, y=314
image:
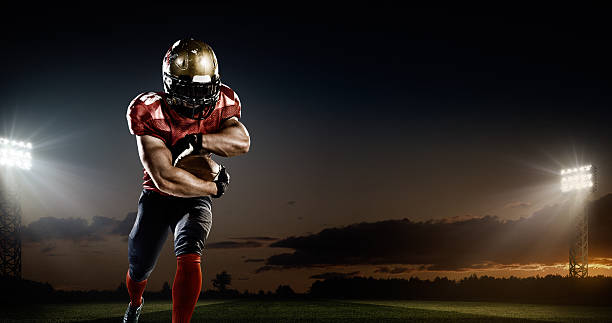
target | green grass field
x=316, y=311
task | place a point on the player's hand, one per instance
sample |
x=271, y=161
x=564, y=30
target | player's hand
x=222, y=181
x=190, y=144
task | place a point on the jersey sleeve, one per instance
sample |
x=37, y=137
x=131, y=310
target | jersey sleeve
x=232, y=106
x=144, y=116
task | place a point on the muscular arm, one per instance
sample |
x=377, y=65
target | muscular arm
x=231, y=140
x=157, y=161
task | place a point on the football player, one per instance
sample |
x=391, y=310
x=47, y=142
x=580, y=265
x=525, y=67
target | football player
x=195, y=112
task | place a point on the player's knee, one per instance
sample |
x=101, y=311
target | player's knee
x=184, y=245
x=140, y=273
x=190, y=240
x=191, y=237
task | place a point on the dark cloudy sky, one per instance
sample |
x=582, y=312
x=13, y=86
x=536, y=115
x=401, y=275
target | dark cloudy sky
x=382, y=144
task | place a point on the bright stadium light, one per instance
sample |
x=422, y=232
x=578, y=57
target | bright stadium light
x=578, y=178
x=15, y=153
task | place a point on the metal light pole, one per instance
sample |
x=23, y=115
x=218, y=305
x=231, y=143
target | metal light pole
x=580, y=182
x=579, y=245
x=10, y=240
x=13, y=155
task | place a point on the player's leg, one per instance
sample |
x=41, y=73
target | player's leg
x=145, y=241
x=190, y=232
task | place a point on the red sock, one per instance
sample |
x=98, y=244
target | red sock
x=186, y=287
x=135, y=289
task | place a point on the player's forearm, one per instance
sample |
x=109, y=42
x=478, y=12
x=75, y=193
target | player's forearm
x=178, y=182
x=228, y=142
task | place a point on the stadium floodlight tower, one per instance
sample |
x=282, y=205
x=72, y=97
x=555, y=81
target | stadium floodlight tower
x=580, y=182
x=14, y=156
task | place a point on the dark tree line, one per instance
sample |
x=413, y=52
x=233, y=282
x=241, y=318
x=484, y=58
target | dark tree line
x=549, y=289
x=23, y=291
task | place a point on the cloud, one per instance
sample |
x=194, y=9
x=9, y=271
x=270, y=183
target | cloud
x=254, y=238
x=75, y=229
x=233, y=245
x=267, y=268
x=459, y=218
x=442, y=245
x=255, y=260
x=517, y=204
x=100, y=227
x=393, y=271
x=48, y=248
x=601, y=261
x=334, y=275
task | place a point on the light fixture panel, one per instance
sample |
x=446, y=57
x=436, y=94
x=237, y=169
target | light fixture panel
x=578, y=178
x=15, y=154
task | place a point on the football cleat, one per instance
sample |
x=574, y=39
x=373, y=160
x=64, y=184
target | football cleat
x=132, y=313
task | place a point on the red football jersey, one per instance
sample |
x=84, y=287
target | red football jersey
x=150, y=114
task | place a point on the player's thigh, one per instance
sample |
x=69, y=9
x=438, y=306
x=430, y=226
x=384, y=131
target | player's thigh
x=191, y=228
x=149, y=232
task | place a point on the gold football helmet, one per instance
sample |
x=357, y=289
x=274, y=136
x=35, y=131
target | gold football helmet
x=191, y=78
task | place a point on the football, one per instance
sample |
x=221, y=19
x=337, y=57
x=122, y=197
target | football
x=200, y=165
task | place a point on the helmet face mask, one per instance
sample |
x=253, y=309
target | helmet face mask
x=192, y=99
x=191, y=78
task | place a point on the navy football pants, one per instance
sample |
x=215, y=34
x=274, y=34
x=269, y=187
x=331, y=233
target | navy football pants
x=189, y=219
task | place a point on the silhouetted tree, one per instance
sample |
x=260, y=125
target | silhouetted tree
x=222, y=280
x=166, y=291
x=122, y=289
x=284, y=291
